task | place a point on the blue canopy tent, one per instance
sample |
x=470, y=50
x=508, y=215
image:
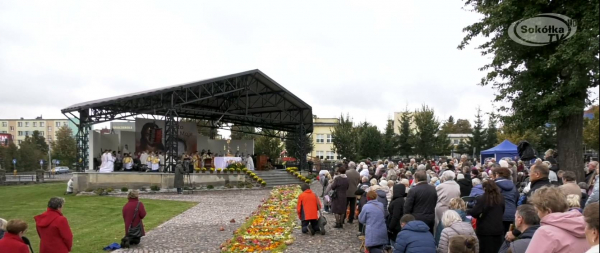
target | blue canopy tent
x=504, y=149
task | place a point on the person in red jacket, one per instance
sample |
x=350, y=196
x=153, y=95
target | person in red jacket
x=128, y=213
x=308, y=210
x=12, y=240
x=53, y=228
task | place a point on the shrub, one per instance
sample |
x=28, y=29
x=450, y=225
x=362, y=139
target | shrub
x=263, y=183
x=186, y=188
x=155, y=188
x=307, y=181
x=89, y=190
x=143, y=189
x=109, y=190
x=99, y=191
x=210, y=186
x=124, y=189
x=241, y=185
x=229, y=186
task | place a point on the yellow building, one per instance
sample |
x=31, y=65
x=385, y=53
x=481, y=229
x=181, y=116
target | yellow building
x=323, y=139
x=21, y=128
x=397, y=116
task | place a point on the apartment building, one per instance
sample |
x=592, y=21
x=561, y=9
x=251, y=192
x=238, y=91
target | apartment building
x=21, y=128
x=323, y=139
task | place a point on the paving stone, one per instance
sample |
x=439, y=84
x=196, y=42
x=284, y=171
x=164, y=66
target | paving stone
x=334, y=240
x=198, y=229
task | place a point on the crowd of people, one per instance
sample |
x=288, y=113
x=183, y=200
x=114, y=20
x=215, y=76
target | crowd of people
x=55, y=233
x=460, y=205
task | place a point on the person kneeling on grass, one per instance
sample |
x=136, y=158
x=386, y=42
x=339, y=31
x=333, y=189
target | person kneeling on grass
x=53, y=228
x=308, y=210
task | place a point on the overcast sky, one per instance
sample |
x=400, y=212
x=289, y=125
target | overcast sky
x=366, y=58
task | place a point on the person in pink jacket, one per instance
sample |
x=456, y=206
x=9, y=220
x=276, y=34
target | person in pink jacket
x=560, y=230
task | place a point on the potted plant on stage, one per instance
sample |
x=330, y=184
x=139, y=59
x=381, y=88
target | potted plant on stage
x=263, y=183
x=197, y=170
x=203, y=170
x=218, y=171
x=239, y=170
x=212, y=170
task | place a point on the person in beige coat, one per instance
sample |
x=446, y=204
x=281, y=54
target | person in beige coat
x=446, y=191
x=453, y=226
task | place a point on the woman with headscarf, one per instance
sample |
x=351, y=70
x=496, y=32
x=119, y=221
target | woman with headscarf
x=338, y=204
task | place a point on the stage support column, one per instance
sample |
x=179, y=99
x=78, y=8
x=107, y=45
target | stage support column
x=82, y=136
x=301, y=134
x=171, y=143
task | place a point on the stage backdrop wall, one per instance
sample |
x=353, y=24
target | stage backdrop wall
x=127, y=138
x=150, y=136
x=216, y=146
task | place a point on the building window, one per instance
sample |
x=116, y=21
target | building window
x=49, y=128
x=4, y=124
x=57, y=124
x=26, y=133
x=455, y=142
x=42, y=124
x=20, y=141
x=330, y=155
x=320, y=154
x=329, y=138
x=320, y=138
x=26, y=124
x=64, y=123
x=3, y=132
x=41, y=133
x=20, y=133
x=34, y=124
x=12, y=128
x=20, y=124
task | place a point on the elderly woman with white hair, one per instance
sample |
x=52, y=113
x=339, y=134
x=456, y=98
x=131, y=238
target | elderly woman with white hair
x=454, y=226
x=446, y=191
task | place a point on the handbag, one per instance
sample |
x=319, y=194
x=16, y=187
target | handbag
x=132, y=232
x=333, y=194
x=322, y=221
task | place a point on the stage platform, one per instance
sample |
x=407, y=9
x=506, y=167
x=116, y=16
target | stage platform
x=137, y=180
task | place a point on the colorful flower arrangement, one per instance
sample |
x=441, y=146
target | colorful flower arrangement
x=269, y=229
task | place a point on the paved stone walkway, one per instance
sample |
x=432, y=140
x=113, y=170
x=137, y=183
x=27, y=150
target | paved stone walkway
x=335, y=240
x=198, y=229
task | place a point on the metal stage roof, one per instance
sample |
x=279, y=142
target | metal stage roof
x=248, y=98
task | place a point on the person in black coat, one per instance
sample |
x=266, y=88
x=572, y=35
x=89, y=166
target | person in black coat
x=396, y=210
x=465, y=185
x=421, y=200
x=489, y=211
x=538, y=177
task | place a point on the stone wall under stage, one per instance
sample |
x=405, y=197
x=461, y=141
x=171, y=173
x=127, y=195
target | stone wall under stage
x=137, y=180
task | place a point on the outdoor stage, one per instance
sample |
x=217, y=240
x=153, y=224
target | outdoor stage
x=136, y=180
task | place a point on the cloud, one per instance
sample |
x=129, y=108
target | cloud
x=368, y=59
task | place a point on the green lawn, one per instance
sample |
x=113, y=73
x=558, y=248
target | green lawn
x=95, y=221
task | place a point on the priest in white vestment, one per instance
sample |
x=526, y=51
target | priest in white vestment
x=249, y=163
